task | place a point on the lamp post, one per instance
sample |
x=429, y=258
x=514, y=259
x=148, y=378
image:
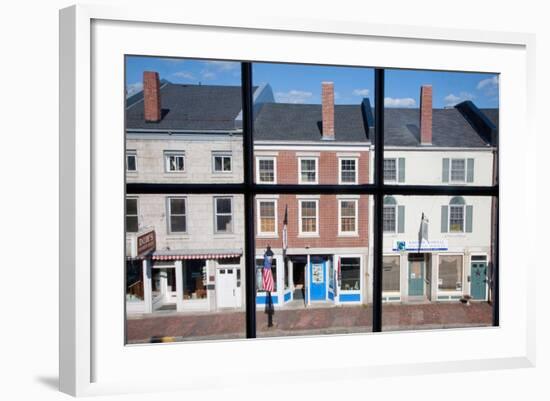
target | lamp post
x=268, y=284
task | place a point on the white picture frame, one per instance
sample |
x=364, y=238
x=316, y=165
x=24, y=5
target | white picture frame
x=93, y=357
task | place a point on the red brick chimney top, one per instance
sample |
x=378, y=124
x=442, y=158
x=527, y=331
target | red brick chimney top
x=151, y=96
x=426, y=115
x=327, y=96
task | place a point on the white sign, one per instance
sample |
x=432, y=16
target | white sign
x=425, y=245
x=317, y=273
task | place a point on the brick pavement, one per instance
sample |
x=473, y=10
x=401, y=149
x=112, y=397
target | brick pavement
x=327, y=320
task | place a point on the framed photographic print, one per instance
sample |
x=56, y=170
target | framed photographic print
x=299, y=190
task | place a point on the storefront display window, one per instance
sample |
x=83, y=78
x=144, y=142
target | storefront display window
x=391, y=276
x=134, y=281
x=194, y=279
x=351, y=274
x=450, y=273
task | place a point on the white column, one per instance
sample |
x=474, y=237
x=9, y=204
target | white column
x=147, y=286
x=179, y=285
x=306, y=280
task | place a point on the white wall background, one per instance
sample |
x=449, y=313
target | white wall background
x=29, y=201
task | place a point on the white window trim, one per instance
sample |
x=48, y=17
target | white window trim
x=354, y=233
x=340, y=160
x=451, y=169
x=266, y=234
x=463, y=220
x=452, y=292
x=396, y=169
x=167, y=154
x=258, y=158
x=307, y=233
x=216, y=231
x=396, y=219
x=134, y=154
x=300, y=170
x=169, y=215
x=137, y=211
x=222, y=154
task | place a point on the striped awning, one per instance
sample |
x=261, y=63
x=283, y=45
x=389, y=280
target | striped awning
x=186, y=255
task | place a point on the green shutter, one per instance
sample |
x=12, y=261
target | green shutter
x=400, y=219
x=444, y=218
x=470, y=170
x=401, y=169
x=469, y=218
x=445, y=172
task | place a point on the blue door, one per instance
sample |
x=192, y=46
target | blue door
x=416, y=278
x=318, y=279
x=478, y=286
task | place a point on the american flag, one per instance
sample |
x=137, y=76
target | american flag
x=267, y=276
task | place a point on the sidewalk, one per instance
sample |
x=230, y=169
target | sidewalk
x=310, y=321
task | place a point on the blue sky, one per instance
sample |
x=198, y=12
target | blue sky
x=302, y=83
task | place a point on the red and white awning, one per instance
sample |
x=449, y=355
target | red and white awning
x=188, y=256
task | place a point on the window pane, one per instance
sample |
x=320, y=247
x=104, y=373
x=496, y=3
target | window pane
x=131, y=162
x=321, y=276
x=223, y=223
x=218, y=163
x=131, y=206
x=223, y=205
x=227, y=163
x=178, y=224
x=177, y=206
x=433, y=278
x=389, y=215
x=440, y=127
x=132, y=224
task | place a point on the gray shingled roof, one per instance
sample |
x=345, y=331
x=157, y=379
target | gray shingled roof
x=302, y=122
x=190, y=107
x=449, y=129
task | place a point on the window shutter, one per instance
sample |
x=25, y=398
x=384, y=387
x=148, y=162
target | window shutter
x=445, y=172
x=444, y=218
x=469, y=218
x=470, y=170
x=401, y=219
x=401, y=164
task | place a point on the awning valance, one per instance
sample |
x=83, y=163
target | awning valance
x=187, y=255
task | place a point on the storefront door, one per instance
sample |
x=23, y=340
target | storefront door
x=478, y=287
x=226, y=283
x=416, y=278
x=318, y=279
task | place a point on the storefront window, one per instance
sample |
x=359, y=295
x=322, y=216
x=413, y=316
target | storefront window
x=450, y=273
x=351, y=274
x=391, y=274
x=194, y=279
x=134, y=281
x=259, y=280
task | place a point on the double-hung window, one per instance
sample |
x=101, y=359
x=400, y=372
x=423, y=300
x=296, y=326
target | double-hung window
x=348, y=170
x=266, y=170
x=174, y=161
x=177, y=215
x=389, y=220
x=390, y=170
x=132, y=222
x=458, y=170
x=131, y=161
x=348, y=216
x=267, y=217
x=221, y=162
x=223, y=210
x=309, y=216
x=456, y=218
x=308, y=170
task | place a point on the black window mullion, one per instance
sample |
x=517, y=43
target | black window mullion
x=248, y=160
x=378, y=240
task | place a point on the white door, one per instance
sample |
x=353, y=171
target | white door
x=226, y=287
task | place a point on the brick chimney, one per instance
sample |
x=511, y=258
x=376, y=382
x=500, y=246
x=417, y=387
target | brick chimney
x=151, y=96
x=426, y=115
x=327, y=96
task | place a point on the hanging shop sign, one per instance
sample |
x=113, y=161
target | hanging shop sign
x=146, y=243
x=424, y=245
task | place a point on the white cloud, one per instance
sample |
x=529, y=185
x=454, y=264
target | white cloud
x=488, y=83
x=132, y=89
x=213, y=68
x=451, y=99
x=293, y=96
x=361, y=92
x=399, y=102
x=184, y=75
